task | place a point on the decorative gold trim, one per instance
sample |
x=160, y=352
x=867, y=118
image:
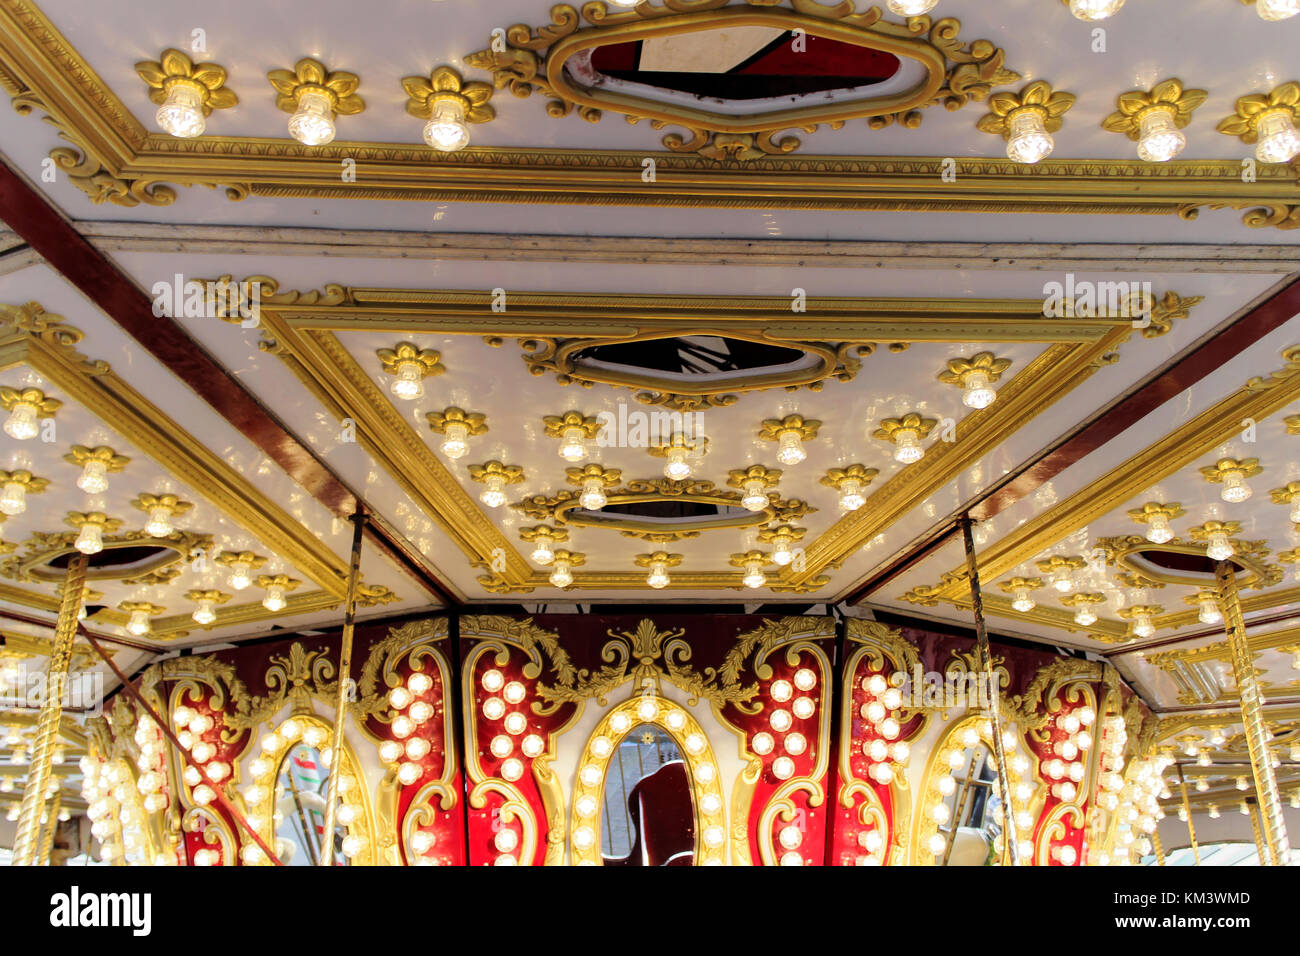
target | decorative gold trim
x=1168, y=96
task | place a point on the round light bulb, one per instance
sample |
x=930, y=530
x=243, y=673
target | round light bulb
x=907, y=446
x=1277, y=9
x=408, y=382
x=790, y=448
x=494, y=491
x=1161, y=139
x=593, y=494
x=851, y=497
x=1158, y=530
x=241, y=575
x=274, y=600
x=204, y=613
x=90, y=539
x=1219, y=548
x=1023, y=602
x=312, y=124
x=455, y=442
x=1029, y=141
x=755, y=495
x=543, y=553
x=1279, y=142
x=446, y=130
x=94, y=477
x=22, y=423
x=181, y=114
x=573, y=444
x=978, y=392
x=1095, y=9
x=561, y=577
x=13, y=501
x=1209, y=609
x=658, y=576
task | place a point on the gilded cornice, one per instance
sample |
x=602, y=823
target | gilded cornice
x=114, y=158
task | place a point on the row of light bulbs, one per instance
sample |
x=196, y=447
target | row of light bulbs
x=1082, y=9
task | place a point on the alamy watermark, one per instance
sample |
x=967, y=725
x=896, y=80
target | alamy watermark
x=639, y=428
x=930, y=690
x=222, y=299
x=1084, y=299
x=23, y=689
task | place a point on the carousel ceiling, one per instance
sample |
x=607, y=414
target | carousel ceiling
x=789, y=234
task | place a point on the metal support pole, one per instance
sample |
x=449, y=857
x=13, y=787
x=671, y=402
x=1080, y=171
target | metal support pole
x=1187, y=812
x=47, y=835
x=1252, y=717
x=47, y=727
x=1261, y=848
x=1157, y=846
x=344, y=679
x=985, y=656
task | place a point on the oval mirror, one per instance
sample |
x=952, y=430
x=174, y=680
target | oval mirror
x=648, y=809
x=300, y=790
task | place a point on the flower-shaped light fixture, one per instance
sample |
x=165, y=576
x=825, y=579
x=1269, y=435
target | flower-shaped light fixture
x=1140, y=617
x=206, y=601
x=909, y=8
x=26, y=408
x=1290, y=495
x=1084, y=604
x=457, y=426
x=1232, y=473
x=1060, y=571
x=756, y=484
x=15, y=486
x=1021, y=591
x=91, y=527
x=1206, y=603
x=1156, y=516
x=851, y=482
x=678, y=455
x=1093, y=9
x=1155, y=118
x=1027, y=120
x=1217, y=536
x=242, y=564
x=658, y=564
x=543, y=540
x=450, y=105
x=186, y=92
x=753, y=563
x=139, y=623
x=275, y=586
x=1275, y=9
x=409, y=365
x=96, y=464
x=789, y=433
x=594, y=480
x=563, y=565
x=1268, y=122
x=314, y=96
x=574, y=430
x=906, y=434
x=161, y=509
x=975, y=376
x=494, y=476
x=782, y=538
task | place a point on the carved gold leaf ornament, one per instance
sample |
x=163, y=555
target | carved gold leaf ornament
x=443, y=83
x=986, y=364
x=475, y=422
x=311, y=76
x=1038, y=97
x=1169, y=96
x=1250, y=109
x=174, y=68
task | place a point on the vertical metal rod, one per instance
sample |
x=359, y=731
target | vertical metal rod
x=47, y=835
x=1252, y=717
x=1187, y=812
x=1261, y=848
x=995, y=711
x=1158, y=846
x=959, y=805
x=47, y=727
x=344, y=680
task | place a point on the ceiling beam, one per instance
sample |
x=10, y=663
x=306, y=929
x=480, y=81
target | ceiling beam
x=49, y=234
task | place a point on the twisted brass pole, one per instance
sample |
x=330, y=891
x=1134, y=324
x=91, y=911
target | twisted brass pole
x=47, y=834
x=47, y=726
x=1187, y=812
x=341, y=703
x=1009, y=836
x=1252, y=717
x=1265, y=858
x=1157, y=846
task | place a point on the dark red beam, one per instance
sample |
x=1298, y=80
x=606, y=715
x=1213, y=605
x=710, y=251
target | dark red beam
x=43, y=227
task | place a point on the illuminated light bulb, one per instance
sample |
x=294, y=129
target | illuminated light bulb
x=1029, y=141
x=1161, y=139
x=1158, y=530
x=543, y=553
x=573, y=444
x=1203, y=759
x=181, y=114
x=506, y=840
x=514, y=692
x=1087, y=716
x=790, y=447
x=455, y=442
x=1241, y=784
x=805, y=678
x=1219, y=548
x=139, y=624
x=204, y=613
x=1063, y=580
x=695, y=744
x=678, y=465
x=790, y=837
x=421, y=711
x=658, y=576
x=1023, y=602
x=795, y=744
x=1295, y=800
x=762, y=744
x=620, y=723
x=1279, y=142
x=911, y=8
x=937, y=844
x=160, y=522
x=1142, y=625
x=675, y=720
x=494, y=708
x=312, y=124
x=754, y=576
x=1295, y=515
x=399, y=698
x=978, y=391
x=1217, y=736
x=403, y=727
x=390, y=751
x=422, y=841
x=206, y=857
x=1277, y=9
x=22, y=422
x=1209, y=609
x=877, y=750
x=241, y=575
x=875, y=684
x=408, y=382
x=203, y=795
x=446, y=130
x=274, y=600
x=601, y=747
x=783, y=768
x=939, y=813
x=781, y=691
x=501, y=746
x=583, y=837
x=1214, y=812
x=352, y=846
x=1235, y=490
x=90, y=539
x=900, y=751
x=492, y=680
x=1084, y=616
x=804, y=708
x=408, y=773
x=419, y=683
x=561, y=576
x=705, y=773
x=755, y=494
x=781, y=552
x=217, y=771
x=1095, y=9
x=586, y=806
x=494, y=491
x=593, y=494
x=851, y=496
x=13, y=501
x=515, y=723
x=907, y=446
